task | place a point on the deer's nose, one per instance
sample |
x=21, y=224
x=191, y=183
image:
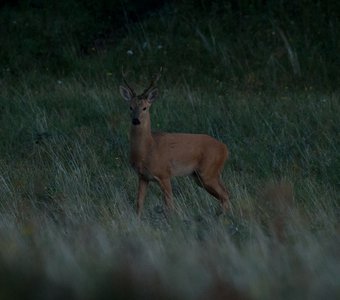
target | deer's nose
x=135, y=121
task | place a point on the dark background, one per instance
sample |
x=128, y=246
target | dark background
x=34, y=35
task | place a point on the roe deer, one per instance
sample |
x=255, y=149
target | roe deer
x=160, y=156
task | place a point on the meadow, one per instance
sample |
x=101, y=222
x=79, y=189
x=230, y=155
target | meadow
x=263, y=81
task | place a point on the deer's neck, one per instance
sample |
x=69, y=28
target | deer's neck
x=141, y=140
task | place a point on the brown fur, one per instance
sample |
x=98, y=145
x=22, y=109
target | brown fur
x=160, y=156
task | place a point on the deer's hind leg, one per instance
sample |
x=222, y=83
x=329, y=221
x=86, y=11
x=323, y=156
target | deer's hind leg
x=210, y=180
x=215, y=188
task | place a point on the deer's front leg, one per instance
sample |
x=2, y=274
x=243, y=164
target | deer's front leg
x=142, y=185
x=167, y=190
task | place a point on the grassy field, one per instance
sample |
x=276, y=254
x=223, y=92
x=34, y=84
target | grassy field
x=266, y=88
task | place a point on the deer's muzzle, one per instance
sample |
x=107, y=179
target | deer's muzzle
x=135, y=121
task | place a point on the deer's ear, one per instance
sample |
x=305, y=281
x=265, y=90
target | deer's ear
x=125, y=93
x=152, y=95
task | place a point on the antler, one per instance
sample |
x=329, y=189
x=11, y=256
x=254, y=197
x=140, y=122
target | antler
x=126, y=83
x=153, y=82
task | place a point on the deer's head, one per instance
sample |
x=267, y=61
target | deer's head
x=139, y=104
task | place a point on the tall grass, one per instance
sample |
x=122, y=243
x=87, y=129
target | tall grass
x=67, y=208
x=68, y=227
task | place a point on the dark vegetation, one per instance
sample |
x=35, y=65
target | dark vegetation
x=261, y=76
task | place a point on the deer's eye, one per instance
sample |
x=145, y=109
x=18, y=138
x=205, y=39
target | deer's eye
x=130, y=107
x=144, y=108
